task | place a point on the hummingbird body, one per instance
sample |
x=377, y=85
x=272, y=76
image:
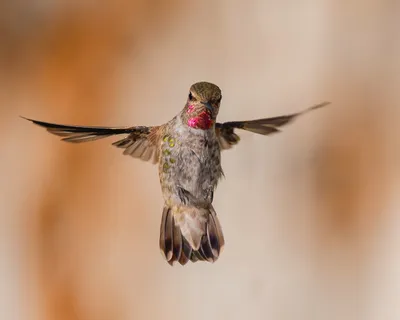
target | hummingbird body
x=189, y=161
x=189, y=169
x=188, y=152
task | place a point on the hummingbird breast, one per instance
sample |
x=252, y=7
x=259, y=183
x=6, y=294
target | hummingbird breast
x=190, y=165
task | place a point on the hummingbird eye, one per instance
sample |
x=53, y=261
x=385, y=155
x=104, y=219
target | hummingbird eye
x=191, y=97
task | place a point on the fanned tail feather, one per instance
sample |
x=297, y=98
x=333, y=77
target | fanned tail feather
x=176, y=247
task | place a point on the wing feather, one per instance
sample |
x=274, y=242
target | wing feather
x=226, y=131
x=141, y=142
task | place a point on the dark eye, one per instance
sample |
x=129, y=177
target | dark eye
x=191, y=96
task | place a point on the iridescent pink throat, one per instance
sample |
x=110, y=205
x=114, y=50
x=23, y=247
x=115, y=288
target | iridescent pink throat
x=202, y=121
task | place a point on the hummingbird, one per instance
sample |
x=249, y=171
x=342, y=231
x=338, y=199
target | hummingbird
x=187, y=150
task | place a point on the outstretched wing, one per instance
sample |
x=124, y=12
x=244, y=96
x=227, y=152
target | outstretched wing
x=226, y=131
x=141, y=142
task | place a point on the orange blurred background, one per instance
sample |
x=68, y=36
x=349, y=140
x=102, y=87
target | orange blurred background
x=309, y=215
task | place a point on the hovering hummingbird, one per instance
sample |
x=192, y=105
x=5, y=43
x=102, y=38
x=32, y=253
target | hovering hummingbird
x=188, y=152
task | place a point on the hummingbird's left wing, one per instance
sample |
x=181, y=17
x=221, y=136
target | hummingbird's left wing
x=226, y=131
x=141, y=141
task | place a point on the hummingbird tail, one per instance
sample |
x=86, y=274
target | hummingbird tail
x=192, y=234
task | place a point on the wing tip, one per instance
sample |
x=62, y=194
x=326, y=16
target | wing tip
x=319, y=105
x=37, y=122
x=25, y=118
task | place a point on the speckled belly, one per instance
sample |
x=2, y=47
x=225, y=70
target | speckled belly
x=193, y=166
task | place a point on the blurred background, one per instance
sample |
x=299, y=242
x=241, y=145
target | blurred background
x=310, y=215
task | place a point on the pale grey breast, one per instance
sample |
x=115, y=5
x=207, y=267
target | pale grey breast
x=190, y=165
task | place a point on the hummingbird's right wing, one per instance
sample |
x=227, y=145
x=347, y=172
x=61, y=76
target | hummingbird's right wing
x=226, y=131
x=141, y=142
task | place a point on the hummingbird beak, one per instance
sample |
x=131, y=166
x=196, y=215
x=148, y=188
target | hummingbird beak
x=208, y=106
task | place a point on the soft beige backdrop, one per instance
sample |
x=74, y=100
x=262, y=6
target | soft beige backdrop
x=310, y=215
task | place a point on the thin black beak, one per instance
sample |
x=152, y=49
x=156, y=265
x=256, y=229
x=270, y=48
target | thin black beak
x=208, y=106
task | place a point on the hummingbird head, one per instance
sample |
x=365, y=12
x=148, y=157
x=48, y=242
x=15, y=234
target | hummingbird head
x=202, y=105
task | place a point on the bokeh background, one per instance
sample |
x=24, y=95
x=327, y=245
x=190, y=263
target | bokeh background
x=311, y=215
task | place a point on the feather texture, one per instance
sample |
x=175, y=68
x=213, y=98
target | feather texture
x=227, y=136
x=177, y=247
x=141, y=142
